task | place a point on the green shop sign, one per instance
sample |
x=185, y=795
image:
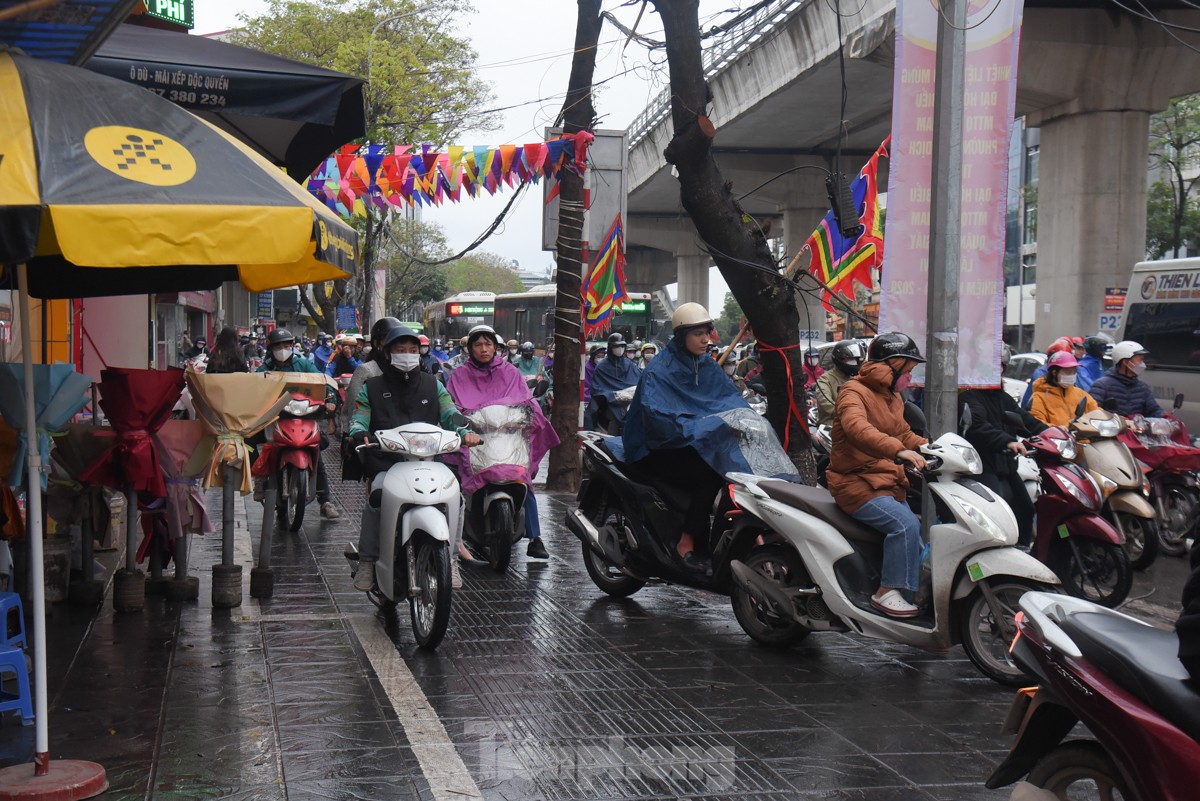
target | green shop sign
x=180, y=12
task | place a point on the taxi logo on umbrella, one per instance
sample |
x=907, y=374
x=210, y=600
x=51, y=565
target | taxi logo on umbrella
x=140, y=155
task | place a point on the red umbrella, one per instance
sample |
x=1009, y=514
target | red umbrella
x=137, y=403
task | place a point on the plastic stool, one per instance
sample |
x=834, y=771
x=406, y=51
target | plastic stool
x=12, y=660
x=10, y=608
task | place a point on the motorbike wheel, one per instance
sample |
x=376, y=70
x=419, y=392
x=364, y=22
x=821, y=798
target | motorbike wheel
x=1141, y=539
x=431, y=608
x=986, y=640
x=1079, y=769
x=1092, y=570
x=608, y=578
x=297, y=497
x=1175, y=526
x=780, y=563
x=501, y=522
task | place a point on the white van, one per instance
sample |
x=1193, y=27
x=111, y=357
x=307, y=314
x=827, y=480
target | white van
x=1162, y=313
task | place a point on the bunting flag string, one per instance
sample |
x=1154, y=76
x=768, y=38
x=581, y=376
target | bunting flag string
x=387, y=176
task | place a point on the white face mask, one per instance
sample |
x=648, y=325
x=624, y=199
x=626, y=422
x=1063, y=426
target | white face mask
x=406, y=362
x=512, y=351
x=1138, y=369
x=282, y=354
x=729, y=367
x=646, y=357
x=1066, y=379
x=424, y=349
x=618, y=352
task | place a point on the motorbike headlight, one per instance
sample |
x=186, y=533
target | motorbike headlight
x=422, y=444
x=1080, y=495
x=1066, y=448
x=1107, y=485
x=971, y=457
x=1145, y=486
x=1107, y=428
x=980, y=519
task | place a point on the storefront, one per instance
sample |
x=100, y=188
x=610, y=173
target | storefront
x=179, y=319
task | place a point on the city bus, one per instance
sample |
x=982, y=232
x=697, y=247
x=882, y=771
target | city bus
x=528, y=316
x=451, y=318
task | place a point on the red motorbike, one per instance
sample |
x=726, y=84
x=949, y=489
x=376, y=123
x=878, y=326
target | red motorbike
x=290, y=455
x=1085, y=550
x=1170, y=463
x=1123, y=680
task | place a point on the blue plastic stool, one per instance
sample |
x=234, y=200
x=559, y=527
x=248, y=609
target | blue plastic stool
x=12, y=619
x=12, y=660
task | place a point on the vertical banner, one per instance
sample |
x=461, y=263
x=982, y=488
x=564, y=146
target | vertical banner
x=379, y=298
x=990, y=87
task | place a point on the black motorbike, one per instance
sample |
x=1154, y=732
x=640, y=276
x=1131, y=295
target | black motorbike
x=629, y=521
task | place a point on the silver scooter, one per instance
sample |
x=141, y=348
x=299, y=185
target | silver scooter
x=820, y=569
x=419, y=515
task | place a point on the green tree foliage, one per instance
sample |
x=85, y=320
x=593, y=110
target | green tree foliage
x=730, y=321
x=1172, y=212
x=411, y=282
x=481, y=272
x=422, y=88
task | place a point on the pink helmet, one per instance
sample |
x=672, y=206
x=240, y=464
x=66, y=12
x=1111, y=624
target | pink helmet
x=1062, y=358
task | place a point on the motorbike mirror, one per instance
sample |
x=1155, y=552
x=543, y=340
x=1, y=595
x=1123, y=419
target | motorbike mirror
x=964, y=419
x=1178, y=402
x=915, y=418
x=1110, y=404
x=1016, y=423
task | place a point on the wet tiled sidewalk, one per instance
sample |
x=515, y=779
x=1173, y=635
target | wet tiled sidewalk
x=543, y=689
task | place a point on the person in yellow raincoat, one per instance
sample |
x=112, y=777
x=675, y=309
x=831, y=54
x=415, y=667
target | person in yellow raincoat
x=1056, y=401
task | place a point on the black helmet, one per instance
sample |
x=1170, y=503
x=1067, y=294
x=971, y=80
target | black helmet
x=398, y=332
x=616, y=340
x=848, y=356
x=1097, y=345
x=381, y=327
x=894, y=343
x=812, y=353
x=527, y=348
x=280, y=336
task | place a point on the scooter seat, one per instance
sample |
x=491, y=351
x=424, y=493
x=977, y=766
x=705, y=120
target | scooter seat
x=818, y=502
x=1141, y=659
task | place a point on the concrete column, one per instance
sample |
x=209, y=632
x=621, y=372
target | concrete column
x=693, y=279
x=798, y=225
x=1091, y=216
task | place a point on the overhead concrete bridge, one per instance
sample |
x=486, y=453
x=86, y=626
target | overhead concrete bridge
x=1090, y=75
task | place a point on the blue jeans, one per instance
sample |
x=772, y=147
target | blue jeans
x=902, y=544
x=533, y=527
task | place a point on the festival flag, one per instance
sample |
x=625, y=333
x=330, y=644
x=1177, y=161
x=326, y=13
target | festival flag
x=603, y=288
x=842, y=262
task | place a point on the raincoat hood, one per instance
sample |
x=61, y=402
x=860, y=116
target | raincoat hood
x=687, y=401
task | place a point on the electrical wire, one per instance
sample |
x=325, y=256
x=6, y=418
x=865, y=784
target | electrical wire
x=780, y=175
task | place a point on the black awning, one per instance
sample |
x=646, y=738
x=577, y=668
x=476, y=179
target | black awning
x=64, y=32
x=295, y=114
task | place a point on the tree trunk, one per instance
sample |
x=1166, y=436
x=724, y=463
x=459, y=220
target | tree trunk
x=736, y=243
x=577, y=115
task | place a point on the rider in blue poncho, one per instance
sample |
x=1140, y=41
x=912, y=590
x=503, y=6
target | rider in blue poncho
x=688, y=424
x=613, y=373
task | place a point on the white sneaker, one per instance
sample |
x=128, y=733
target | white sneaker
x=329, y=511
x=455, y=575
x=892, y=604
x=364, y=579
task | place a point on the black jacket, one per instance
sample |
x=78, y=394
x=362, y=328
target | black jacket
x=397, y=399
x=989, y=431
x=1188, y=625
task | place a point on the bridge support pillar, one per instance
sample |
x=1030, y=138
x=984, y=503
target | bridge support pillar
x=693, y=279
x=1091, y=216
x=798, y=225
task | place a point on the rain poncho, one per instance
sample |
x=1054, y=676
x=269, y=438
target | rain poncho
x=613, y=374
x=688, y=401
x=507, y=454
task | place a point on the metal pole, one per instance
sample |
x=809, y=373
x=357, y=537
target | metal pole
x=229, y=482
x=131, y=529
x=941, y=374
x=37, y=586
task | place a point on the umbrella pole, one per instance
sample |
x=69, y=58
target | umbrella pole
x=227, y=577
x=84, y=779
x=129, y=583
x=262, y=577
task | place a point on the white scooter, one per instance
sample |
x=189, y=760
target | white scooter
x=818, y=573
x=419, y=517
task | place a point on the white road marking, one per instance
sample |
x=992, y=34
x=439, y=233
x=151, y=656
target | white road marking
x=443, y=768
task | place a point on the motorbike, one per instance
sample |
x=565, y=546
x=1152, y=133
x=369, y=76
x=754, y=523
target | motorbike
x=818, y=568
x=627, y=521
x=291, y=452
x=1170, y=463
x=1085, y=550
x=419, y=512
x=1123, y=680
x=1124, y=487
x=343, y=382
x=495, y=513
x=605, y=421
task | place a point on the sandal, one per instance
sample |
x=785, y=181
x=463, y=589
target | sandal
x=892, y=604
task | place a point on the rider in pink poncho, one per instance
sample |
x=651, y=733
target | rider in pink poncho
x=487, y=379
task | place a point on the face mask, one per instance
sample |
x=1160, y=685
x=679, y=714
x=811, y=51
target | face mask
x=617, y=352
x=512, y=351
x=903, y=381
x=1138, y=369
x=646, y=357
x=729, y=368
x=1066, y=379
x=424, y=349
x=282, y=354
x=405, y=362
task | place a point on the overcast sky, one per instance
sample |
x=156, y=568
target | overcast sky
x=525, y=54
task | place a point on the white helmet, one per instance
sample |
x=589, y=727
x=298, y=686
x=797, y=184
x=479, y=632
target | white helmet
x=1127, y=349
x=690, y=315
